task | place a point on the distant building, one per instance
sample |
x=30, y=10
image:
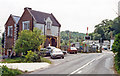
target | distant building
x=48, y=24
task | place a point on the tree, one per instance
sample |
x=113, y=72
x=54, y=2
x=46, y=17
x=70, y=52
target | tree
x=29, y=40
x=116, y=44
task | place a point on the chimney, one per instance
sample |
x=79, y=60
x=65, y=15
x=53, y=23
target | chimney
x=27, y=8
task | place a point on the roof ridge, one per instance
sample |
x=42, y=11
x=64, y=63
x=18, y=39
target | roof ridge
x=15, y=15
x=41, y=12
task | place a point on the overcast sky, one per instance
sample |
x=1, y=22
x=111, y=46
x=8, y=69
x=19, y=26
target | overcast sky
x=73, y=15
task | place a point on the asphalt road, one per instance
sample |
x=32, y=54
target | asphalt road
x=81, y=63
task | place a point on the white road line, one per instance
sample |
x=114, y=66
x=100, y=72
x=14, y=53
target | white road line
x=82, y=66
x=79, y=69
x=79, y=72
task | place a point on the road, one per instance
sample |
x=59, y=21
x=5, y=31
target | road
x=81, y=63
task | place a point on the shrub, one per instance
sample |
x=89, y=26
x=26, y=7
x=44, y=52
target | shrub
x=116, y=50
x=32, y=57
x=11, y=72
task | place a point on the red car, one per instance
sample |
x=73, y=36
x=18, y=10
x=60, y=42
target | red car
x=72, y=50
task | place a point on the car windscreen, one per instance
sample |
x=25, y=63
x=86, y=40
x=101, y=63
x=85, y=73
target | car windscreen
x=56, y=51
x=73, y=48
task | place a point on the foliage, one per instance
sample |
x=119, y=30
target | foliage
x=74, y=37
x=32, y=57
x=29, y=40
x=116, y=44
x=10, y=72
x=106, y=28
x=13, y=60
x=116, y=50
x=117, y=62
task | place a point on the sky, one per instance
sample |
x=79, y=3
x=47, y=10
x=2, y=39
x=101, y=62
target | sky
x=73, y=15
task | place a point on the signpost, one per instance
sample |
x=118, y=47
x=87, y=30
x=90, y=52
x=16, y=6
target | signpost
x=87, y=38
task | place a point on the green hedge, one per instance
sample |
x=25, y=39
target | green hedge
x=117, y=63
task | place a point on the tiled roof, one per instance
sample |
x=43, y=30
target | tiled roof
x=41, y=16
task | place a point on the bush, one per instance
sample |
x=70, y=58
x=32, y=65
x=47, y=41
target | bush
x=116, y=50
x=11, y=72
x=32, y=57
x=117, y=63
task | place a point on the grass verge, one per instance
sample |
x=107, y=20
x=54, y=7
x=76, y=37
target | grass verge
x=22, y=60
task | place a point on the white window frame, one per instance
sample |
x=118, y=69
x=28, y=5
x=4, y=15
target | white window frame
x=8, y=34
x=28, y=25
x=48, y=25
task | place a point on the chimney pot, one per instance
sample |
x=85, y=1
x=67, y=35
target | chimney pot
x=27, y=8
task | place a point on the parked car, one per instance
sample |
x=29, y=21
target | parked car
x=64, y=52
x=104, y=48
x=57, y=53
x=72, y=50
x=43, y=52
x=49, y=48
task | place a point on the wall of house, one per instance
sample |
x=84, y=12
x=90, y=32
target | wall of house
x=39, y=26
x=54, y=29
x=26, y=16
x=9, y=41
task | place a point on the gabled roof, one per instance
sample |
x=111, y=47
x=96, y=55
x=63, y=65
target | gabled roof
x=40, y=17
x=16, y=18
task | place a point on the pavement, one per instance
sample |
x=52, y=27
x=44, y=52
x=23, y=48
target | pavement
x=29, y=67
x=81, y=63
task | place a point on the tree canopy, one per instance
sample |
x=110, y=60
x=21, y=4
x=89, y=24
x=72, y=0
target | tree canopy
x=29, y=40
x=106, y=28
x=74, y=37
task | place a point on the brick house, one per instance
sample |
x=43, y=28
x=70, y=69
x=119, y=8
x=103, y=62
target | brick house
x=30, y=18
x=10, y=34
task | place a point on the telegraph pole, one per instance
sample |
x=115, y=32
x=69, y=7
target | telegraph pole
x=69, y=38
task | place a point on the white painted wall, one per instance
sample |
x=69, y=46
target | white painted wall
x=54, y=30
x=39, y=26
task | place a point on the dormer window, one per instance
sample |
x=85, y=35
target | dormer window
x=26, y=25
x=10, y=31
x=48, y=25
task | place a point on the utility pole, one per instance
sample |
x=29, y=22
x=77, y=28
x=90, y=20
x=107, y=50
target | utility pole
x=69, y=38
x=87, y=41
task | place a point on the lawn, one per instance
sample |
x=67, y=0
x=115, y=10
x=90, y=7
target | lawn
x=22, y=60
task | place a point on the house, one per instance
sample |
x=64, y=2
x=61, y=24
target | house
x=31, y=18
x=10, y=34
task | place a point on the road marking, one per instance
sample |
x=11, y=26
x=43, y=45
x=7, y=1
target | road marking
x=79, y=69
x=82, y=66
x=79, y=72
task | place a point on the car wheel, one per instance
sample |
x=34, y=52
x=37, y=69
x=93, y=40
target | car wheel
x=63, y=57
x=51, y=57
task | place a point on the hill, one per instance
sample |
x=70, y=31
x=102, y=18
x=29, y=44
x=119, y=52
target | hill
x=74, y=37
